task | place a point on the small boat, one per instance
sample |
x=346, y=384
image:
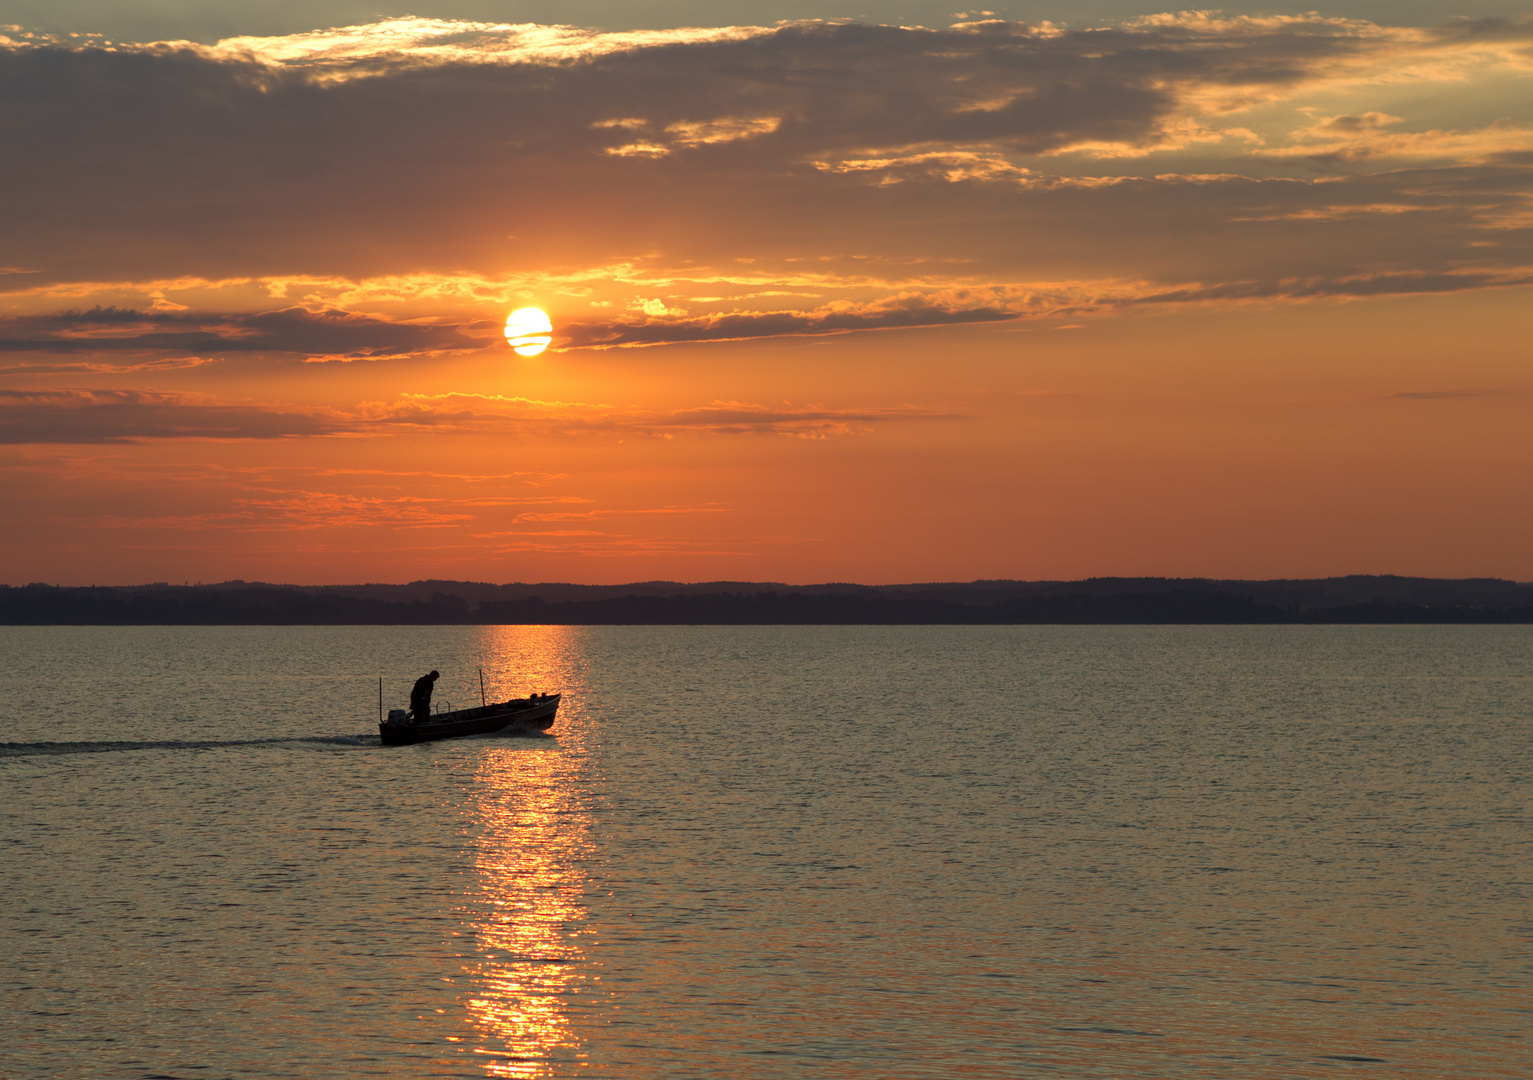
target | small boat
x=527, y=714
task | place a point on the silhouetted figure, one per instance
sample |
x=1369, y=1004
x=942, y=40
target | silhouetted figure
x=420, y=697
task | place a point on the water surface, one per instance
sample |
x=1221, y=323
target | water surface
x=762, y=852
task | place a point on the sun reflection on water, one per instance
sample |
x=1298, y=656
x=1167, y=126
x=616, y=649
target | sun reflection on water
x=532, y=847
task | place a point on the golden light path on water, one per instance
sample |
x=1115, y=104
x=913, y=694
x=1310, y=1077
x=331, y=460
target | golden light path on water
x=532, y=846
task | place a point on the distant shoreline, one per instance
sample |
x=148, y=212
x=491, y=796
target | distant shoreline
x=1359, y=599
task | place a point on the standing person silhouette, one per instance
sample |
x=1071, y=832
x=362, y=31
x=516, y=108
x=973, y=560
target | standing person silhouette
x=420, y=697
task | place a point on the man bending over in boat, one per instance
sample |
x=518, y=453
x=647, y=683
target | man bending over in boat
x=420, y=698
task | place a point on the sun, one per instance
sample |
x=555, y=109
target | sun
x=528, y=330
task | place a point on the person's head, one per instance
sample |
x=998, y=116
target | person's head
x=435, y=676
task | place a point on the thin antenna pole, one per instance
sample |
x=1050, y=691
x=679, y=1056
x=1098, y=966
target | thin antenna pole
x=481, y=688
x=380, y=699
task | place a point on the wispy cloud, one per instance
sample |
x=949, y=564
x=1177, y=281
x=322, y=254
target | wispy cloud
x=303, y=511
x=117, y=416
x=177, y=363
x=117, y=339
x=1443, y=395
x=610, y=512
x=461, y=411
x=1375, y=135
x=353, y=51
x=598, y=544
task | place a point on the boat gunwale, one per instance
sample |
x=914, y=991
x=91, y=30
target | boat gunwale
x=473, y=721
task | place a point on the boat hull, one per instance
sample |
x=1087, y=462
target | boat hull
x=527, y=714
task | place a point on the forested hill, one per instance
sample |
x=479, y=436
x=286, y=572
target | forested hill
x=1357, y=599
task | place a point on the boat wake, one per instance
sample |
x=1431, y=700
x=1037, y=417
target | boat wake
x=30, y=749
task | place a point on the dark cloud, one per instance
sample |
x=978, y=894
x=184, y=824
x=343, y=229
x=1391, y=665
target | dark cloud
x=330, y=333
x=1392, y=284
x=114, y=416
x=178, y=161
x=908, y=312
x=900, y=313
x=1485, y=30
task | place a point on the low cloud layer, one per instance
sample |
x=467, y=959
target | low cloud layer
x=116, y=416
x=327, y=334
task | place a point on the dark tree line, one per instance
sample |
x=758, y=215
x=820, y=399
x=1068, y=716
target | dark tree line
x=279, y=605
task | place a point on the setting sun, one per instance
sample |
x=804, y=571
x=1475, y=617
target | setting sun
x=528, y=331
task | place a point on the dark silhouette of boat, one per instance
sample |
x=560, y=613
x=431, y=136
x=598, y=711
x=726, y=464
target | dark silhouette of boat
x=529, y=714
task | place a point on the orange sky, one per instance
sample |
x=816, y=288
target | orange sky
x=1182, y=295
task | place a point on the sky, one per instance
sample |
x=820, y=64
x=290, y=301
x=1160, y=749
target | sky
x=887, y=293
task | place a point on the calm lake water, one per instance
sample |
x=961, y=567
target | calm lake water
x=754, y=852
